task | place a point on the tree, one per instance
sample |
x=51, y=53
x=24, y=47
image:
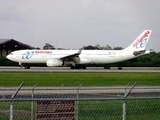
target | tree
x=48, y=46
x=97, y=47
x=118, y=48
x=107, y=47
x=89, y=47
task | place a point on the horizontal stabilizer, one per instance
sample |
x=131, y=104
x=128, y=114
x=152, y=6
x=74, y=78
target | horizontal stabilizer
x=136, y=53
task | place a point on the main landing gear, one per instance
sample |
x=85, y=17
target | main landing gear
x=78, y=67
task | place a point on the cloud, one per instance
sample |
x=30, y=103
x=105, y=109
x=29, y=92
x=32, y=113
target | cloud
x=75, y=23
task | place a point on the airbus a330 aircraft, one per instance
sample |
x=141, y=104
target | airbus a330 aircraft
x=78, y=58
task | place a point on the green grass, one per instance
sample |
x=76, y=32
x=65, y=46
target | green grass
x=95, y=110
x=88, y=110
x=113, y=110
x=75, y=79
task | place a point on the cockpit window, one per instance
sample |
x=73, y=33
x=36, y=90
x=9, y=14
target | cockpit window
x=11, y=53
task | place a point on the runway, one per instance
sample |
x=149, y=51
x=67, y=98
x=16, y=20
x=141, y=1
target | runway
x=88, y=70
x=60, y=92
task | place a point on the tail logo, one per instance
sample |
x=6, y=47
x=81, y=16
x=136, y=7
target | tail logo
x=140, y=43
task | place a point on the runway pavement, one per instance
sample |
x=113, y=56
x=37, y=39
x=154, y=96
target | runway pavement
x=88, y=70
x=83, y=91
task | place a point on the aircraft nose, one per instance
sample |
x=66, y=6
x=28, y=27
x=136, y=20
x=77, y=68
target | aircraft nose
x=11, y=57
x=7, y=57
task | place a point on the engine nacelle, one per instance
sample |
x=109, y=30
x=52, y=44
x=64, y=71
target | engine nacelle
x=54, y=63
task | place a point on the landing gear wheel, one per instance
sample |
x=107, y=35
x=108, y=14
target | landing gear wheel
x=78, y=67
x=83, y=67
x=27, y=67
x=72, y=67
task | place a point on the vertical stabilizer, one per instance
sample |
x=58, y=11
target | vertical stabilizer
x=141, y=41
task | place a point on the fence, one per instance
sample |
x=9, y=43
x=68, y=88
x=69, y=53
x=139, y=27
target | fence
x=81, y=103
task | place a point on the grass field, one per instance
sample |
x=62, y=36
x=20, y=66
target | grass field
x=94, y=110
x=75, y=79
x=87, y=110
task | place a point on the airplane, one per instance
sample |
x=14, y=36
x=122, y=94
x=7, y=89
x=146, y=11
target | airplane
x=77, y=59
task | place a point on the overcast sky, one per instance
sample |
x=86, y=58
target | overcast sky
x=77, y=23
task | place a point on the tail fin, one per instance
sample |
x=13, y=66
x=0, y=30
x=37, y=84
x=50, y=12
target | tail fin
x=141, y=41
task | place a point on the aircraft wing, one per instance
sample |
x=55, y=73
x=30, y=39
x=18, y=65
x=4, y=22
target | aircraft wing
x=72, y=56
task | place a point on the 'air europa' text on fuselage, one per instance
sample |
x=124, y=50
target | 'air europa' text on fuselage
x=43, y=52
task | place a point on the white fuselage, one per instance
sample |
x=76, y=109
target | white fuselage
x=86, y=56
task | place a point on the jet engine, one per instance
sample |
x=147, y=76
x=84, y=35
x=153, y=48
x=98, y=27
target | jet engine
x=54, y=63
